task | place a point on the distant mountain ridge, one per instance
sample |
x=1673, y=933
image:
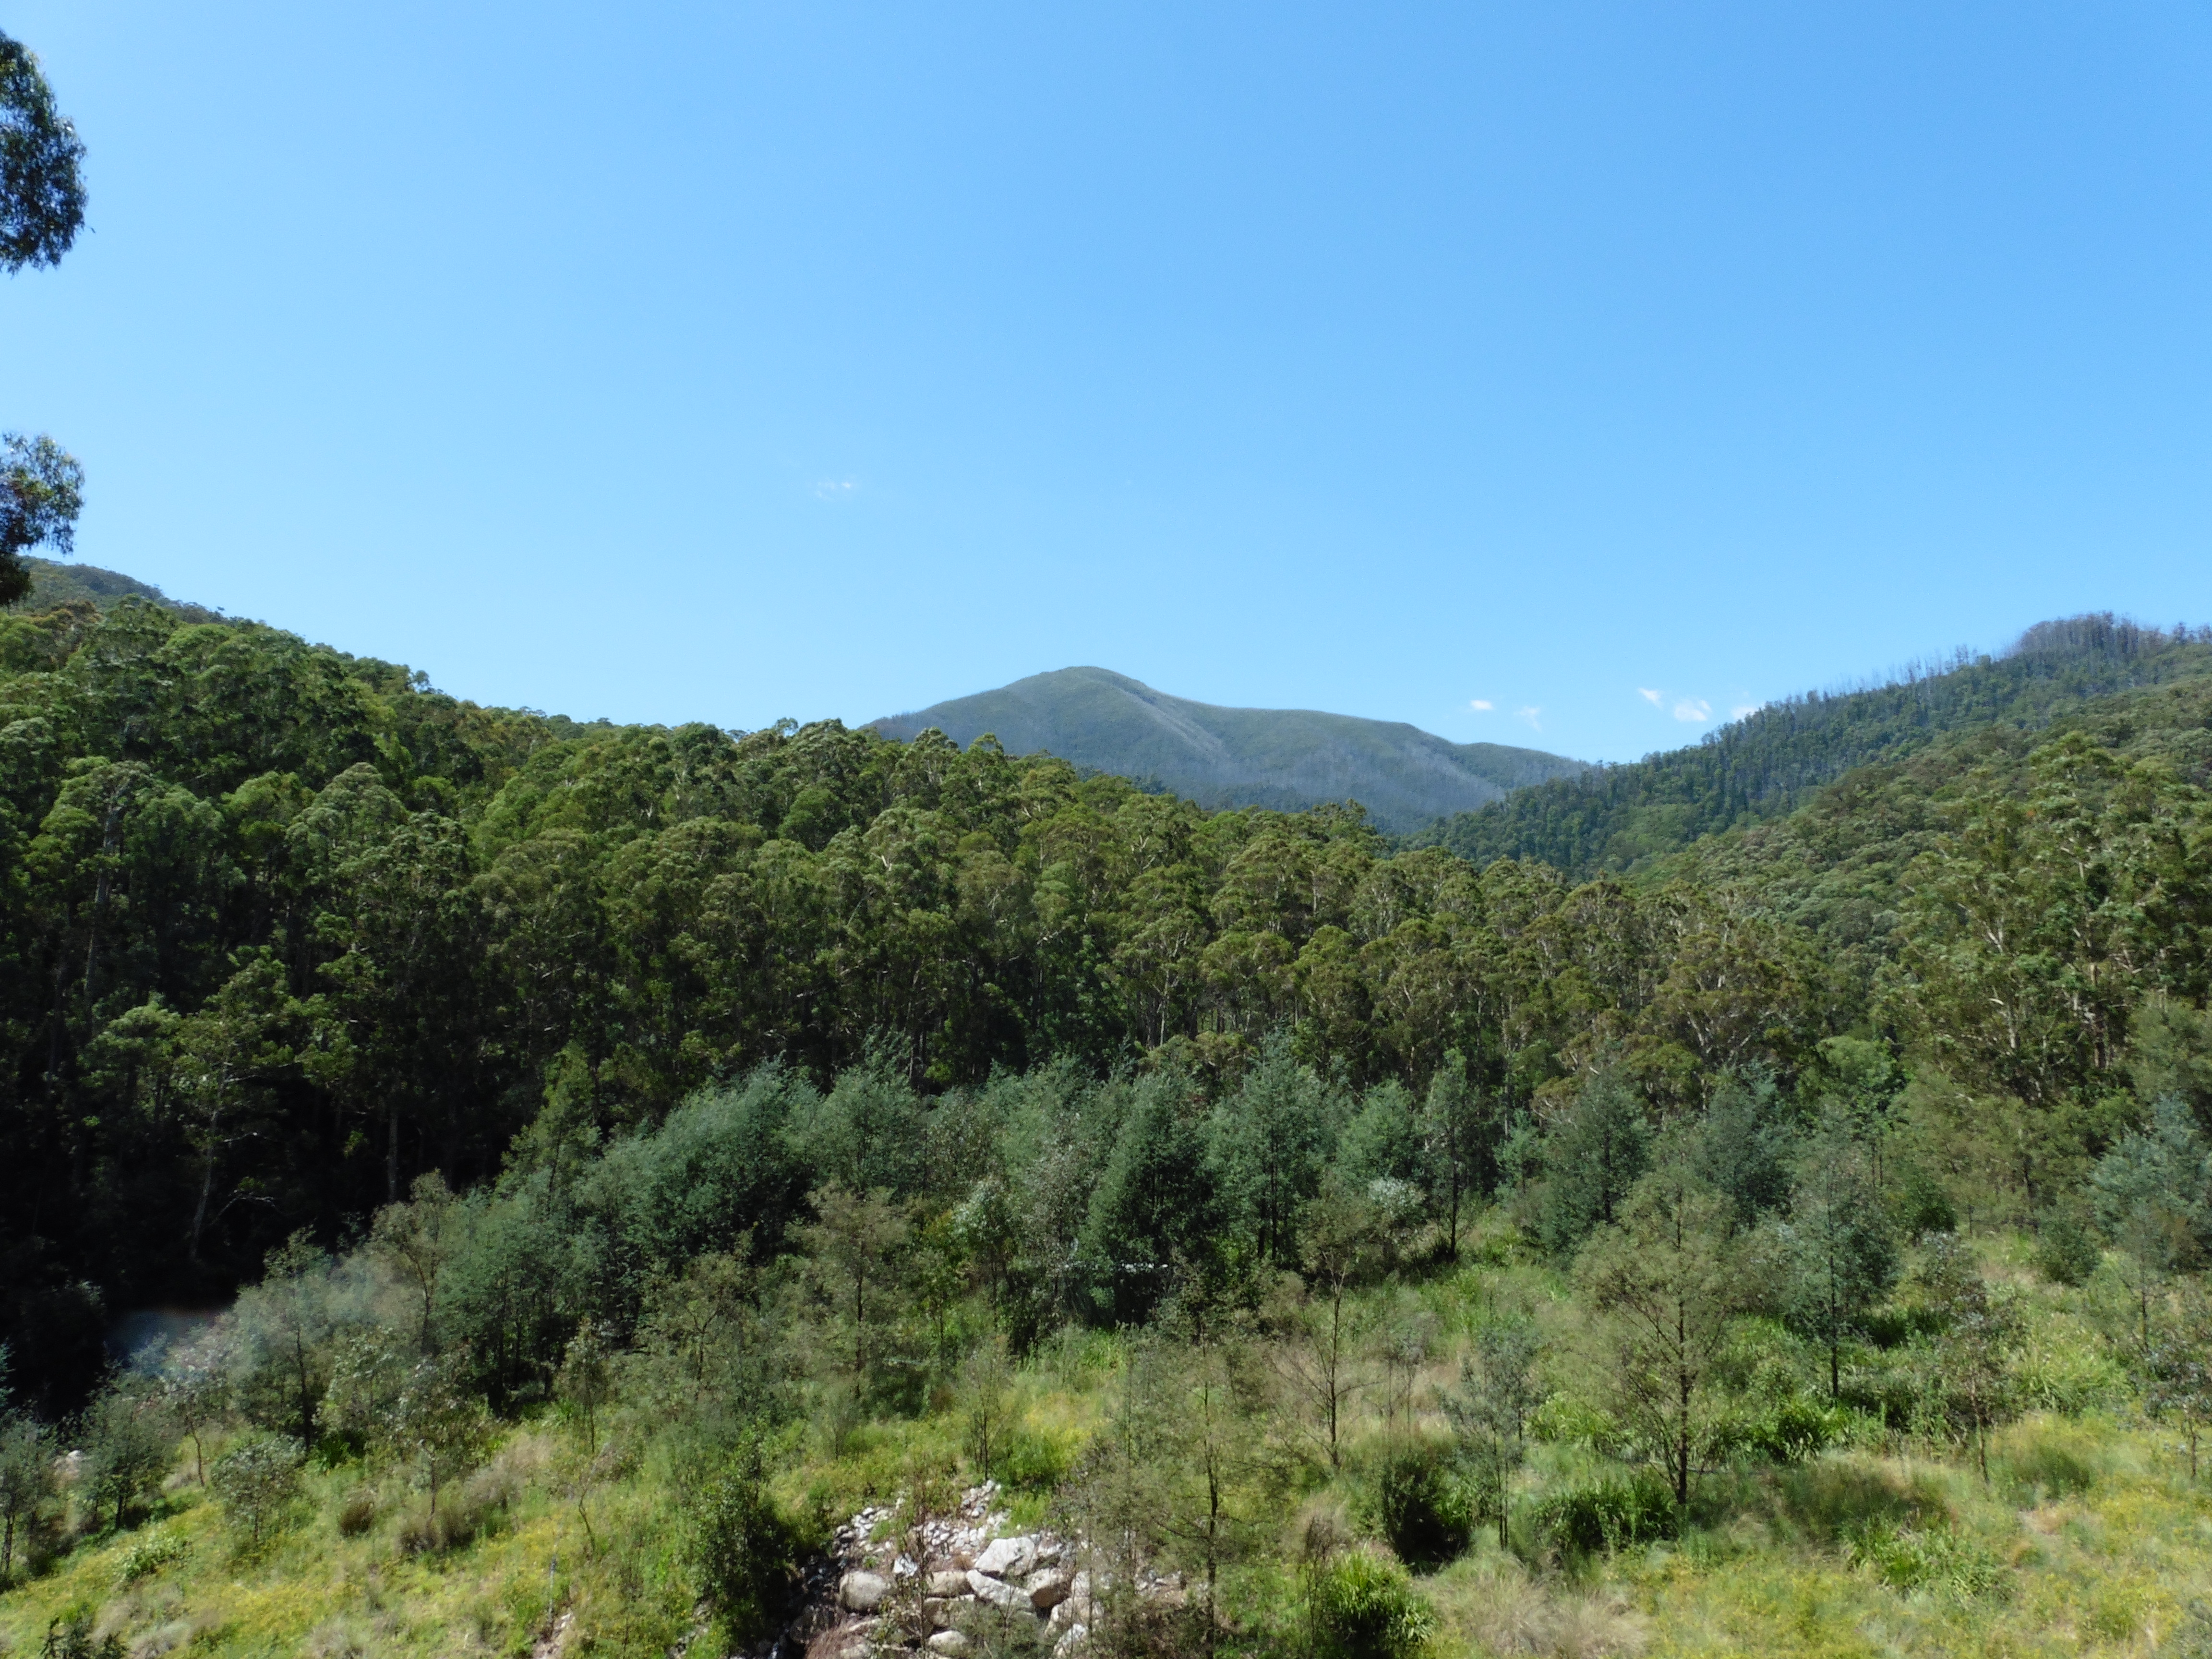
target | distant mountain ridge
x=1285, y=758
x=1621, y=819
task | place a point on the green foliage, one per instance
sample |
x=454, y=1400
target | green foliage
x=1937, y=1557
x=1499, y=1393
x=1154, y=1212
x=1603, y=1515
x=1841, y=1257
x=258, y=1484
x=1359, y=1607
x=744, y=1553
x=1424, y=1508
x=1593, y=1156
x=126, y=1449
x=41, y=191
x=2044, y=1467
x=2153, y=1192
x=2066, y=1252
x=1270, y=1141
x=28, y=1487
x=42, y=485
x=148, y=1556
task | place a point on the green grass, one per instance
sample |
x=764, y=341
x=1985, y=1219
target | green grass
x=2088, y=1538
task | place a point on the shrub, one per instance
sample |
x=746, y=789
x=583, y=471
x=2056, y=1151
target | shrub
x=150, y=1555
x=1608, y=1514
x=474, y=1508
x=257, y=1483
x=1787, y=1429
x=1423, y=1508
x=1360, y=1607
x=2064, y=1252
x=125, y=1453
x=357, y=1514
x=742, y=1551
x=1033, y=1461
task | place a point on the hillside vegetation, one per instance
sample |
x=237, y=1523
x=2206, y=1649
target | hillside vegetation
x=1284, y=758
x=637, y=1152
x=1619, y=818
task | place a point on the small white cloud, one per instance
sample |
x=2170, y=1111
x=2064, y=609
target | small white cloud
x=1534, y=715
x=1694, y=709
x=834, y=490
x=1482, y=705
x=1647, y=694
x=1743, y=708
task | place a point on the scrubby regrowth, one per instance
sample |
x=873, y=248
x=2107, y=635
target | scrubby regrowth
x=640, y=1192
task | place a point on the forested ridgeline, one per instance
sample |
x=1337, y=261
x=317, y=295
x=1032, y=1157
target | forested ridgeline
x=286, y=929
x=1619, y=818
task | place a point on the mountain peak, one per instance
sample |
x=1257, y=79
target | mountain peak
x=1288, y=758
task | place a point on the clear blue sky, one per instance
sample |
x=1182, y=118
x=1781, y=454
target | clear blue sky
x=727, y=361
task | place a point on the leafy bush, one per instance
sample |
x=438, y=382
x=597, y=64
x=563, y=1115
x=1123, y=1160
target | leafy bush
x=1787, y=1429
x=258, y=1482
x=1934, y=1557
x=1424, y=1509
x=1033, y=1461
x=357, y=1514
x=1360, y=1607
x=150, y=1555
x=126, y=1452
x=2065, y=1253
x=742, y=1552
x=1608, y=1514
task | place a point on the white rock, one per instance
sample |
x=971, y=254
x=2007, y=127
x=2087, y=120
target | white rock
x=997, y=1591
x=947, y=1642
x=1047, y=1588
x=948, y=1581
x=862, y=1592
x=1008, y=1558
x=1070, y=1642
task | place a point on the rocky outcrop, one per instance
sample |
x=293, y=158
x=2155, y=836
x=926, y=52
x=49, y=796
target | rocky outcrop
x=933, y=1589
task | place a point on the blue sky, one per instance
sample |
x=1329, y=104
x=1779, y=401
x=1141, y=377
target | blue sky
x=1614, y=366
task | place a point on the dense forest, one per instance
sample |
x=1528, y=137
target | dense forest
x=288, y=929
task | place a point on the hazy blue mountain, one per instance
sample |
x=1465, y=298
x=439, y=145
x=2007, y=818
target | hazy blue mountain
x=1279, y=757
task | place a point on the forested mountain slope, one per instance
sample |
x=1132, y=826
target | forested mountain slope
x=1285, y=758
x=54, y=584
x=1618, y=818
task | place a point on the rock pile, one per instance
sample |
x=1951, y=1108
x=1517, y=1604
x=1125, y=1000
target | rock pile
x=969, y=1569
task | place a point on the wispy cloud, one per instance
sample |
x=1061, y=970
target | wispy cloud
x=1647, y=694
x=1694, y=709
x=1534, y=715
x=836, y=489
x=1481, y=705
x=1743, y=708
